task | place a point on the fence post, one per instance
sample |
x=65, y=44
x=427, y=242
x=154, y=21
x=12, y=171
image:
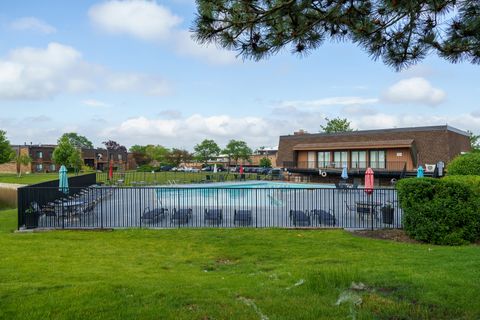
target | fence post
x=101, y=208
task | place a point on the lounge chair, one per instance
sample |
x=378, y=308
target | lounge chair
x=299, y=218
x=181, y=216
x=324, y=217
x=213, y=215
x=242, y=217
x=154, y=214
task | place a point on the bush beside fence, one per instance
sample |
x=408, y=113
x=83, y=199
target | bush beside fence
x=441, y=211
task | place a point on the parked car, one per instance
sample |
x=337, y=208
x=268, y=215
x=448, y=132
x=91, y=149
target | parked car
x=166, y=168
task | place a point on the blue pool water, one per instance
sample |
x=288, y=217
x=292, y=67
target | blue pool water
x=255, y=185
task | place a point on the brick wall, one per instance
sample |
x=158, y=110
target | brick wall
x=432, y=144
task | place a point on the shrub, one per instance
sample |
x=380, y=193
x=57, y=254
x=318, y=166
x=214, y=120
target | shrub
x=465, y=164
x=441, y=211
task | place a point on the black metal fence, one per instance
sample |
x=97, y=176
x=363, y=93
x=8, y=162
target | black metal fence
x=208, y=206
x=45, y=192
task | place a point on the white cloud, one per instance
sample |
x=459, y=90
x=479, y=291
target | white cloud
x=32, y=24
x=36, y=73
x=333, y=101
x=95, y=103
x=414, y=90
x=190, y=130
x=146, y=20
x=150, y=21
x=185, y=45
x=41, y=73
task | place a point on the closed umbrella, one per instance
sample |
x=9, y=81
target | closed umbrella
x=241, y=169
x=344, y=173
x=420, y=172
x=215, y=168
x=369, y=178
x=63, y=180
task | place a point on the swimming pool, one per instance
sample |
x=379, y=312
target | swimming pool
x=255, y=185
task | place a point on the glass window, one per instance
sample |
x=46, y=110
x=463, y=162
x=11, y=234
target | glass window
x=52, y=167
x=39, y=155
x=39, y=167
x=119, y=157
x=340, y=159
x=359, y=159
x=311, y=160
x=377, y=159
x=323, y=159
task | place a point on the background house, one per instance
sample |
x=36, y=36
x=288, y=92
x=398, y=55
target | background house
x=389, y=152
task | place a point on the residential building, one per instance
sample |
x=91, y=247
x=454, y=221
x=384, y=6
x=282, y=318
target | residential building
x=389, y=152
x=42, y=158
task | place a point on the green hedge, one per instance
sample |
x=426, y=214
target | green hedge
x=441, y=211
x=465, y=164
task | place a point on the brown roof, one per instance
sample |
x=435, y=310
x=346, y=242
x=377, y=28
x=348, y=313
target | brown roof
x=354, y=145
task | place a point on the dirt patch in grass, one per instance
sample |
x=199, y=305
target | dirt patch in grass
x=386, y=234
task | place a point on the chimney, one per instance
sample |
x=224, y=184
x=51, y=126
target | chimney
x=300, y=132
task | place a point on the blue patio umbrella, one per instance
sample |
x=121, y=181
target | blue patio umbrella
x=63, y=180
x=420, y=172
x=344, y=173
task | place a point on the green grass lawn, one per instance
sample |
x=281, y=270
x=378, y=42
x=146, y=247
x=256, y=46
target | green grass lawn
x=131, y=177
x=231, y=274
x=31, y=178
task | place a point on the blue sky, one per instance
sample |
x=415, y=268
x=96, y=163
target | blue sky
x=129, y=71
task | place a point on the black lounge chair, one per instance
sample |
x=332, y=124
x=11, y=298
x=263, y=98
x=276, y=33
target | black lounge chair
x=242, y=217
x=299, y=218
x=181, y=216
x=88, y=209
x=324, y=217
x=213, y=215
x=154, y=214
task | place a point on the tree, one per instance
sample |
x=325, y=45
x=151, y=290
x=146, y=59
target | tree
x=139, y=153
x=138, y=149
x=206, y=150
x=177, y=156
x=236, y=150
x=66, y=154
x=401, y=33
x=22, y=160
x=474, y=141
x=336, y=125
x=265, y=162
x=157, y=153
x=77, y=140
x=114, y=146
x=6, y=152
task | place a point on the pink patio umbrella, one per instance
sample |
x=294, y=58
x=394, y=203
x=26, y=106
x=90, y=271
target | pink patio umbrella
x=110, y=171
x=241, y=169
x=369, y=175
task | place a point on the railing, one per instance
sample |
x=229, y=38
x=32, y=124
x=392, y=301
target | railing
x=176, y=177
x=376, y=165
x=46, y=192
x=197, y=207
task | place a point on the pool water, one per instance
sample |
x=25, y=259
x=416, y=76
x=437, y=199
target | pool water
x=256, y=185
